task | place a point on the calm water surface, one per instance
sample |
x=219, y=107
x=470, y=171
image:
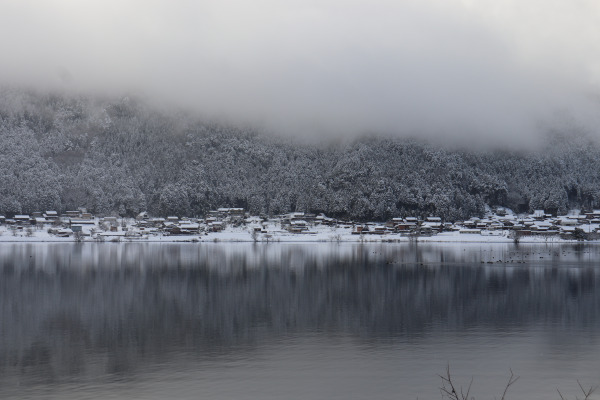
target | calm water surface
x=295, y=321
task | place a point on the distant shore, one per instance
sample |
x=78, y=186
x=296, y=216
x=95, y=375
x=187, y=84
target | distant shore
x=319, y=236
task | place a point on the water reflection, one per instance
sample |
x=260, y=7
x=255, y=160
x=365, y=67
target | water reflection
x=87, y=310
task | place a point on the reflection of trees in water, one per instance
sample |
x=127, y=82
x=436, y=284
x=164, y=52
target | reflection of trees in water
x=55, y=320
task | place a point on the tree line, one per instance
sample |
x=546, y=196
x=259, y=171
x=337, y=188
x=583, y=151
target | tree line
x=122, y=156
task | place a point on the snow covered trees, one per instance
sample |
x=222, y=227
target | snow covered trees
x=121, y=157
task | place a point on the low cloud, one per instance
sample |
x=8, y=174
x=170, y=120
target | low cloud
x=488, y=70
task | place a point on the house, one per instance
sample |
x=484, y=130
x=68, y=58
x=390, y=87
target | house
x=470, y=224
x=481, y=225
x=298, y=226
x=425, y=230
x=324, y=220
x=295, y=216
x=469, y=231
x=111, y=234
x=110, y=220
x=142, y=224
x=506, y=224
x=189, y=228
x=567, y=221
x=412, y=220
x=541, y=226
x=434, y=223
x=225, y=212
x=64, y=232
x=41, y=221
x=360, y=229
x=236, y=212
x=379, y=230
x=81, y=221
x=595, y=214
x=528, y=222
x=22, y=219
x=501, y=211
x=216, y=226
x=173, y=229
x=394, y=222
x=77, y=228
x=51, y=215
x=404, y=227
x=156, y=222
x=310, y=218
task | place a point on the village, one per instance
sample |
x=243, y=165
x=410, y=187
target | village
x=235, y=224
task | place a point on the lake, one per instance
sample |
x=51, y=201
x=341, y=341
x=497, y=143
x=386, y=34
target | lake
x=296, y=321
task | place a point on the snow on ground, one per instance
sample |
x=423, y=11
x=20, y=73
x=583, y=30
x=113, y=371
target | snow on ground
x=244, y=234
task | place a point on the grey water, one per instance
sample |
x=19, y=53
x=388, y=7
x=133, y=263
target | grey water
x=296, y=321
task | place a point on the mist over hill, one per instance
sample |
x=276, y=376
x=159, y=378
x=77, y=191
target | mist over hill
x=121, y=156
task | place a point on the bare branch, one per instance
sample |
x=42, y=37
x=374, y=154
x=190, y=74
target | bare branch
x=449, y=390
x=560, y=394
x=587, y=393
x=511, y=381
x=468, y=390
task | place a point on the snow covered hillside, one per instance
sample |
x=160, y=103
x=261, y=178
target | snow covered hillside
x=121, y=157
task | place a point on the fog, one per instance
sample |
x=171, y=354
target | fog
x=476, y=69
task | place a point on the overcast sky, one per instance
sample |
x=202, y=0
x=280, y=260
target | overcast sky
x=487, y=68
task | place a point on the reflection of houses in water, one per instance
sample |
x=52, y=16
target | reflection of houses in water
x=146, y=298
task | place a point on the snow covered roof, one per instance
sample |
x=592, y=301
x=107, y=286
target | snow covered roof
x=189, y=226
x=113, y=233
x=82, y=221
x=431, y=224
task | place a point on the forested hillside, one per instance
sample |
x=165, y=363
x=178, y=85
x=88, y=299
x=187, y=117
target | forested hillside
x=122, y=157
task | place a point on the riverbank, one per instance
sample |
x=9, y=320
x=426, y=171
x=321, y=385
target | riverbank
x=242, y=234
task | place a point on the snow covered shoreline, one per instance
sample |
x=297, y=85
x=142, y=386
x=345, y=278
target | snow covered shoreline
x=234, y=225
x=240, y=235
